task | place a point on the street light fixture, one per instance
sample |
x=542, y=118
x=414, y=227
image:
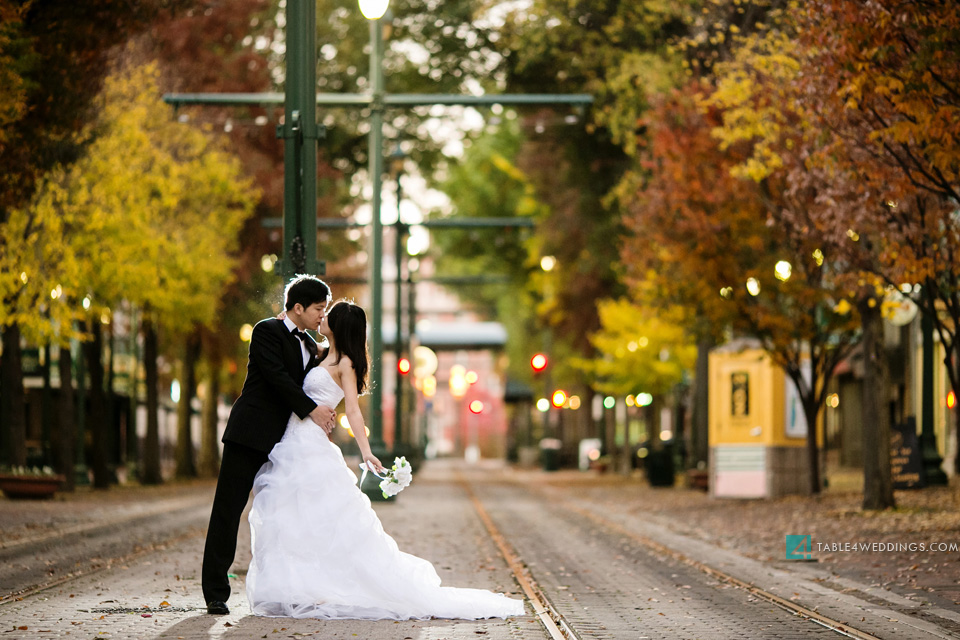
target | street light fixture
x=783, y=270
x=373, y=9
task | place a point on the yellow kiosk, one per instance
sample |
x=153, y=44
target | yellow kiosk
x=757, y=427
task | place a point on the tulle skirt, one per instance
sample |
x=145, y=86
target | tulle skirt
x=319, y=550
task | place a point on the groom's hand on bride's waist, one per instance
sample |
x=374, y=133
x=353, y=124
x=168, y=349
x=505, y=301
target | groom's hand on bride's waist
x=325, y=417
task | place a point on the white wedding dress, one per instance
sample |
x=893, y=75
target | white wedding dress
x=319, y=550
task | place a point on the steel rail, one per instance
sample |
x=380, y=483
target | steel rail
x=549, y=613
x=551, y=619
x=792, y=607
x=106, y=564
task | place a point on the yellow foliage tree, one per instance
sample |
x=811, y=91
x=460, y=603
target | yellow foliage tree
x=640, y=350
x=149, y=215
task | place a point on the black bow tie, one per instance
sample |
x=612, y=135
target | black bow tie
x=307, y=341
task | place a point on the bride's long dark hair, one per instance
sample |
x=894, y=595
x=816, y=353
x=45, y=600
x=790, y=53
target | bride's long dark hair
x=348, y=324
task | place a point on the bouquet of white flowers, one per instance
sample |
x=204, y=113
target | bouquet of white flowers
x=394, y=480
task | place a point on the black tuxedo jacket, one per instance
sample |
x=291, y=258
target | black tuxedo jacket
x=273, y=388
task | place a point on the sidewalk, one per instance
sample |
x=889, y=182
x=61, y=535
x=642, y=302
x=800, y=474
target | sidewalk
x=24, y=521
x=757, y=529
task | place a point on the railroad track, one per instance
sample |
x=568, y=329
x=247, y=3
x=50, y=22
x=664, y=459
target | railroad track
x=587, y=576
x=556, y=616
x=34, y=564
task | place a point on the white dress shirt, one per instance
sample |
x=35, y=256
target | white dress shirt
x=303, y=346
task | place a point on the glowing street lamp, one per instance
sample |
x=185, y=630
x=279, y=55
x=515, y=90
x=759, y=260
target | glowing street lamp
x=783, y=270
x=458, y=381
x=373, y=9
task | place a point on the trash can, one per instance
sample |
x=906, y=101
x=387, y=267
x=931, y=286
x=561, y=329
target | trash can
x=659, y=466
x=550, y=454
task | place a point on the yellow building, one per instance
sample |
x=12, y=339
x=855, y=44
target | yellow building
x=757, y=430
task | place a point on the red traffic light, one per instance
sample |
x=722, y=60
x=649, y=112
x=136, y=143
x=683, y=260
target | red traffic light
x=559, y=398
x=403, y=366
x=538, y=362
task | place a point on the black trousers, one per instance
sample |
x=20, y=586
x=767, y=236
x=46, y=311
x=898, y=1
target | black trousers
x=238, y=468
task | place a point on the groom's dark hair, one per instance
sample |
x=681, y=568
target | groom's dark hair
x=306, y=290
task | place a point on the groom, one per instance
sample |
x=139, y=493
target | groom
x=280, y=356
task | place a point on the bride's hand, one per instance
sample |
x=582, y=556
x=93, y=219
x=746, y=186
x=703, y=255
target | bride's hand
x=325, y=418
x=373, y=463
x=282, y=315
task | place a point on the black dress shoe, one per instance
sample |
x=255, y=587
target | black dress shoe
x=217, y=608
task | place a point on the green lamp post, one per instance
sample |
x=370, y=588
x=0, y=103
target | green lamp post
x=397, y=159
x=373, y=10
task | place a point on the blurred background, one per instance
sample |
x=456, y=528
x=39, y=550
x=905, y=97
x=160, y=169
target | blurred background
x=734, y=266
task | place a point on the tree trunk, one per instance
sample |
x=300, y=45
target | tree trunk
x=699, y=436
x=65, y=429
x=133, y=438
x=186, y=468
x=952, y=364
x=93, y=350
x=877, y=477
x=209, y=464
x=46, y=407
x=956, y=436
x=112, y=440
x=653, y=423
x=811, y=411
x=13, y=412
x=151, y=445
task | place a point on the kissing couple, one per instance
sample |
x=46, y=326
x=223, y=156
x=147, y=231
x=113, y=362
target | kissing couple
x=319, y=550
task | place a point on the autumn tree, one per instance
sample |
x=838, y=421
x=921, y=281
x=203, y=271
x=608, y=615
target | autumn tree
x=152, y=209
x=714, y=243
x=691, y=229
x=640, y=349
x=887, y=97
x=767, y=96
x=54, y=55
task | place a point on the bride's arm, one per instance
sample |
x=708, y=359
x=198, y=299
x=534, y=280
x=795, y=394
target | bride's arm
x=348, y=380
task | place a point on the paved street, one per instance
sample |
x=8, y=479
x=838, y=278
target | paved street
x=594, y=563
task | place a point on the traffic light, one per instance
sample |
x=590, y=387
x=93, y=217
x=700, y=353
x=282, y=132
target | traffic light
x=538, y=362
x=476, y=407
x=403, y=366
x=559, y=398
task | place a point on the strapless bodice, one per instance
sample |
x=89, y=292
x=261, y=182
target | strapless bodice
x=319, y=385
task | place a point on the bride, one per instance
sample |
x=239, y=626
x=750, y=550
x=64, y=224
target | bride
x=319, y=550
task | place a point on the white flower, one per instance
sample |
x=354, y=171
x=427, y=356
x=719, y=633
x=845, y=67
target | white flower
x=395, y=479
x=390, y=488
x=402, y=471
